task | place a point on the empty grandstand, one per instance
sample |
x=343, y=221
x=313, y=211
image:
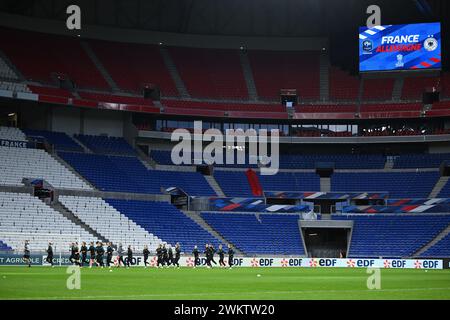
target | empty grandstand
x=86, y=146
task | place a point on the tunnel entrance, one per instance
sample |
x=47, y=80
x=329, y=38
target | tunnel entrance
x=326, y=242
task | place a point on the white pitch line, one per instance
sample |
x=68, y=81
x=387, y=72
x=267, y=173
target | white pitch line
x=228, y=293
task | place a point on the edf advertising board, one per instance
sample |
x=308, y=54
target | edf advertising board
x=400, y=47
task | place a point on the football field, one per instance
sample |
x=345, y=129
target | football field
x=239, y=283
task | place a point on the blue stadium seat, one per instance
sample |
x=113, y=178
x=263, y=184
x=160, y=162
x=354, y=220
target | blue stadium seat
x=60, y=140
x=440, y=249
x=4, y=247
x=393, y=236
x=425, y=160
x=445, y=192
x=271, y=234
x=128, y=174
x=398, y=184
x=341, y=161
x=166, y=222
x=292, y=161
x=106, y=145
x=235, y=183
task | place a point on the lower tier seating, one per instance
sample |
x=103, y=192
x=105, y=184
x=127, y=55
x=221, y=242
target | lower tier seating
x=166, y=222
x=4, y=247
x=24, y=217
x=109, y=222
x=267, y=234
x=440, y=249
x=392, y=236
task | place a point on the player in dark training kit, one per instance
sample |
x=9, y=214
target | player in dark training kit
x=145, y=252
x=230, y=255
x=49, y=258
x=92, y=254
x=221, y=254
x=100, y=251
x=120, y=256
x=109, y=253
x=74, y=257
x=196, y=253
x=177, y=255
x=159, y=261
x=76, y=254
x=207, y=253
x=129, y=257
x=165, y=256
x=169, y=256
x=212, y=252
x=26, y=253
x=83, y=251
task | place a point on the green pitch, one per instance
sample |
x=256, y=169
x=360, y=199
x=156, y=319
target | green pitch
x=239, y=283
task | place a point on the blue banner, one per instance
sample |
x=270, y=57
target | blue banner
x=400, y=47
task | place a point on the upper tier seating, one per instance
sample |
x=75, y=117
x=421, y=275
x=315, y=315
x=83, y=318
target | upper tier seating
x=106, y=145
x=235, y=183
x=270, y=234
x=46, y=53
x=144, y=65
x=391, y=107
x=210, y=73
x=128, y=174
x=378, y=89
x=441, y=105
x=6, y=72
x=109, y=98
x=331, y=108
x=60, y=140
x=11, y=133
x=275, y=70
x=413, y=87
x=342, y=85
x=166, y=222
x=392, y=236
x=445, y=84
x=398, y=184
x=440, y=249
x=24, y=217
x=19, y=163
x=49, y=91
x=110, y=223
x=426, y=160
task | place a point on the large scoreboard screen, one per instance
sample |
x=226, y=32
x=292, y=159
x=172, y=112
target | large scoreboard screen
x=400, y=47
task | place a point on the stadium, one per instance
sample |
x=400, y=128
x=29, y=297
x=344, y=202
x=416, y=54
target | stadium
x=196, y=150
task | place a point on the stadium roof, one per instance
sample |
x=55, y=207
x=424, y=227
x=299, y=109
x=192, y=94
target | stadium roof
x=295, y=18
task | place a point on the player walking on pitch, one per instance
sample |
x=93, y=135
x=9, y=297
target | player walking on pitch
x=26, y=253
x=49, y=258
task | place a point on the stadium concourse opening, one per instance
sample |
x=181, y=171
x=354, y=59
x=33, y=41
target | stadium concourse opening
x=329, y=242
